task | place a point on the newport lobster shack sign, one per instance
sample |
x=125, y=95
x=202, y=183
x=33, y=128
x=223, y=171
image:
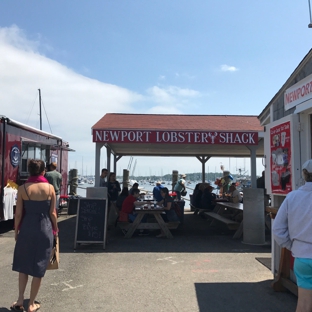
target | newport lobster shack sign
x=175, y=137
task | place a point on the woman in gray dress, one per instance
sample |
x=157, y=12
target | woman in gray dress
x=35, y=225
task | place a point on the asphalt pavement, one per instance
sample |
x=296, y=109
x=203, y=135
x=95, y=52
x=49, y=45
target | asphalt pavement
x=200, y=269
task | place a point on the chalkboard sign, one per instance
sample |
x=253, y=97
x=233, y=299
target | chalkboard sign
x=91, y=221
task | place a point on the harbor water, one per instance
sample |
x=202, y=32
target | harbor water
x=146, y=187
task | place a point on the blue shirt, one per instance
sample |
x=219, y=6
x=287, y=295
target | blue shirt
x=156, y=192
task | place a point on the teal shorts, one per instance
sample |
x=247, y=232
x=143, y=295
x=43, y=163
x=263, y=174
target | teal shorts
x=303, y=272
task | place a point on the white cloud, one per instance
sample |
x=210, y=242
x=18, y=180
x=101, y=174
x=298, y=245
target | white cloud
x=182, y=92
x=227, y=68
x=73, y=102
x=185, y=76
x=160, y=95
x=15, y=37
x=171, y=99
x=171, y=94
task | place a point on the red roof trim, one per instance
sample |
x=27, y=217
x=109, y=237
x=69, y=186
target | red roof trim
x=179, y=122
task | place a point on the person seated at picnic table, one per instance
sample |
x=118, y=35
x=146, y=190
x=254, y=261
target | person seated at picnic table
x=235, y=196
x=135, y=186
x=122, y=196
x=208, y=199
x=128, y=207
x=197, y=194
x=129, y=204
x=167, y=203
x=156, y=191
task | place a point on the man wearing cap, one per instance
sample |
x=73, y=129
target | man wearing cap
x=156, y=191
x=55, y=179
x=292, y=229
x=180, y=186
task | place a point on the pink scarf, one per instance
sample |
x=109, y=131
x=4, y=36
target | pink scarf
x=37, y=179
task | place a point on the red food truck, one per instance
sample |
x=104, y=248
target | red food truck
x=18, y=144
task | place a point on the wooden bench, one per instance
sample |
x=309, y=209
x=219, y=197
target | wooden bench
x=223, y=212
x=148, y=225
x=230, y=223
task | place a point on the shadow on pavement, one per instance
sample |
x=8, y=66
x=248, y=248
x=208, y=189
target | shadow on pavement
x=229, y=297
x=194, y=235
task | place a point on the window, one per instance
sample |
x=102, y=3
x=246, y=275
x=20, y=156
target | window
x=32, y=151
x=38, y=154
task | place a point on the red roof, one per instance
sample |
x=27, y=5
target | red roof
x=179, y=122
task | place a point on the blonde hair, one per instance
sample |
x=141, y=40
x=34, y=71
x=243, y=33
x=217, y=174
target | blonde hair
x=307, y=175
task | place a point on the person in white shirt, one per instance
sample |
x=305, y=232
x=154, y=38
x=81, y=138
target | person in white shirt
x=292, y=229
x=235, y=194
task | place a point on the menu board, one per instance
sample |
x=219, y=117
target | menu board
x=91, y=221
x=280, y=145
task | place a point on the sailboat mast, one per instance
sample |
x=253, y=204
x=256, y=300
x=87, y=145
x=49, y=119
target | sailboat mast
x=40, y=109
x=82, y=168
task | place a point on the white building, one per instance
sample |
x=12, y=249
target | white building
x=287, y=145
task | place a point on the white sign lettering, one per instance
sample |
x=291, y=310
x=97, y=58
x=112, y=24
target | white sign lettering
x=187, y=137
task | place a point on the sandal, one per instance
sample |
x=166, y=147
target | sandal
x=15, y=307
x=37, y=305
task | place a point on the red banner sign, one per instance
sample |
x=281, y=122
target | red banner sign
x=280, y=158
x=175, y=137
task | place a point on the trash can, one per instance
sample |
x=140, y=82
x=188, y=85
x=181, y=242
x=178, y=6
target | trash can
x=72, y=205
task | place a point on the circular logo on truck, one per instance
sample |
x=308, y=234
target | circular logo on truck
x=15, y=155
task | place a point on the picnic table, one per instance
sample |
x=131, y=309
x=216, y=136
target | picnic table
x=221, y=214
x=160, y=224
x=201, y=210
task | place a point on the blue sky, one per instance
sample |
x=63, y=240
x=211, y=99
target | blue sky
x=145, y=56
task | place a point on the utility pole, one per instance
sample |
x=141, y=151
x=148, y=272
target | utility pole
x=310, y=24
x=40, y=115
